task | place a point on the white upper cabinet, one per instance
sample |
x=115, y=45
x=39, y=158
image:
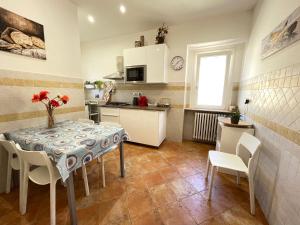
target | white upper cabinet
x=155, y=57
x=134, y=57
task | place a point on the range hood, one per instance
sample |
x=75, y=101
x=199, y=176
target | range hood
x=115, y=76
x=119, y=75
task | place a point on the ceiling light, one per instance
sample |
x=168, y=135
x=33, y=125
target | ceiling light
x=91, y=19
x=122, y=9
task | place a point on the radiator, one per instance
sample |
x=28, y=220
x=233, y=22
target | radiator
x=205, y=126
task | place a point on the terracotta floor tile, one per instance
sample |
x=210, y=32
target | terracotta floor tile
x=162, y=195
x=152, y=179
x=182, y=188
x=113, y=191
x=153, y=192
x=175, y=214
x=218, y=220
x=113, y=212
x=170, y=173
x=139, y=203
x=135, y=183
x=151, y=218
x=186, y=170
x=198, y=181
x=201, y=209
x=89, y=215
x=238, y=216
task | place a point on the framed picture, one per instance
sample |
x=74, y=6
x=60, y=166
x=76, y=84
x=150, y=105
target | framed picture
x=283, y=35
x=21, y=36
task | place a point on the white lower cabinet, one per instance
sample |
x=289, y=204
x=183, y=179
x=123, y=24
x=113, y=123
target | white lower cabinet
x=144, y=126
x=110, y=115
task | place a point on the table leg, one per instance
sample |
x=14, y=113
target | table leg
x=122, y=167
x=71, y=199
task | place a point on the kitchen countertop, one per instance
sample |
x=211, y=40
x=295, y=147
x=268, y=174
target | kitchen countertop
x=153, y=108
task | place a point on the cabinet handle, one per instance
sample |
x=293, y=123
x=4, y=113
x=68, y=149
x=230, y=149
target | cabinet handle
x=109, y=115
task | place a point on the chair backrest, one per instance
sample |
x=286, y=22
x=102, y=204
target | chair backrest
x=9, y=146
x=36, y=158
x=110, y=124
x=82, y=120
x=252, y=145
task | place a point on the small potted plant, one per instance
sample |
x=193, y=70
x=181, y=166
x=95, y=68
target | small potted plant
x=235, y=116
x=99, y=84
x=161, y=35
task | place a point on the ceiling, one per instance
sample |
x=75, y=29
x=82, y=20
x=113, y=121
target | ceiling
x=143, y=15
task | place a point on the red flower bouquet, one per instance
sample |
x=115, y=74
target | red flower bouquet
x=50, y=104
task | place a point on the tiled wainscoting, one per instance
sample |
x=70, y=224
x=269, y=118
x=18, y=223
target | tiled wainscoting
x=17, y=111
x=173, y=91
x=275, y=111
x=16, y=92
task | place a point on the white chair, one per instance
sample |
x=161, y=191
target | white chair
x=235, y=162
x=99, y=159
x=84, y=173
x=13, y=161
x=44, y=174
x=109, y=124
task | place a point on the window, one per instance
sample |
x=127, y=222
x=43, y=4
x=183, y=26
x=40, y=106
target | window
x=212, y=71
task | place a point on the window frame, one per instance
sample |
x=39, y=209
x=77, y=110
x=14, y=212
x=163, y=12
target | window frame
x=226, y=92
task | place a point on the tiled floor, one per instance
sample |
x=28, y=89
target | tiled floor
x=164, y=186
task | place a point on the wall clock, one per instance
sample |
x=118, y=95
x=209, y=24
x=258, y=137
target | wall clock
x=177, y=63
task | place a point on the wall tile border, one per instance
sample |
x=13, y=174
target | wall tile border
x=153, y=87
x=289, y=134
x=40, y=113
x=5, y=81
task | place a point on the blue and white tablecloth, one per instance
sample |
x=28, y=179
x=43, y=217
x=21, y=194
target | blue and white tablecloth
x=70, y=144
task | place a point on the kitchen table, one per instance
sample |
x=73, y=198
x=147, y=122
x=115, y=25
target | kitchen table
x=69, y=145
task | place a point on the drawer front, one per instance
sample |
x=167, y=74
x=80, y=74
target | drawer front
x=110, y=111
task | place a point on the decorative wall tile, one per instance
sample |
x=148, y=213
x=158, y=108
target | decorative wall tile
x=275, y=100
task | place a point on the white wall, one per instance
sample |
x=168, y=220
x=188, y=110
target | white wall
x=59, y=18
x=268, y=15
x=277, y=176
x=98, y=57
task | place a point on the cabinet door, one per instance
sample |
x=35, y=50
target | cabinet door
x=135, y=56
x=156, y=63
x=110, y=115
x=141, y=126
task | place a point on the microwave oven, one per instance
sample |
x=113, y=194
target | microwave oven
x=136, y=74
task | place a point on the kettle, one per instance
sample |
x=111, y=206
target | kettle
x=143, y=101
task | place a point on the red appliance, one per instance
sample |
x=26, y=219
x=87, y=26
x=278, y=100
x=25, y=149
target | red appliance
x=143, y=101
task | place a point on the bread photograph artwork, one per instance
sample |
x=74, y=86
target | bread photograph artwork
x=21, y=36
